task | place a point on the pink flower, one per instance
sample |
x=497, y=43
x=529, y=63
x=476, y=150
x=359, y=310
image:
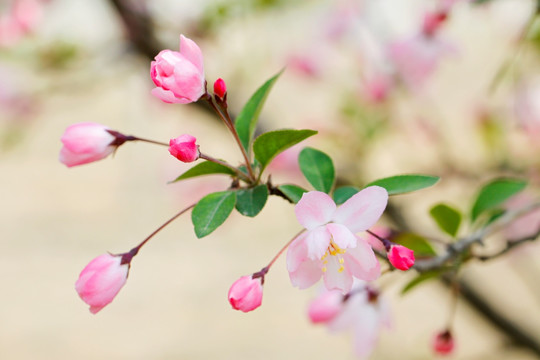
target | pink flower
x=443, y=343
x=401, y=257
x=246, y=293
x=179, y=76
x=101, y=280
x=326, y=306
x=85, y=143
x=329, y=248
x=363, y=311
x=220, y=88
x=184, y=148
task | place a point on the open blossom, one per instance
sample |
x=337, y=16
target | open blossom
x=101, y=280
x=401, y=257
x=330, y=248
x=84, y=143
x=179, y=76
x=246, y=293
x=184, y=148
x=363, y=311
x=443, y=343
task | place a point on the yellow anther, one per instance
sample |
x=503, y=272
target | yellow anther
x=341, y=260
x=341, y=268
x=323, y=269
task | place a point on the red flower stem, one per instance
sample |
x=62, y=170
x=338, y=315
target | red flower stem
x=267, y=267
x=126, y=258
x=228, y=122
x=240, y=173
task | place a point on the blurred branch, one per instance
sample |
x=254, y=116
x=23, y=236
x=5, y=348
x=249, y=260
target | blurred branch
x=459, y=247
x=509, y=246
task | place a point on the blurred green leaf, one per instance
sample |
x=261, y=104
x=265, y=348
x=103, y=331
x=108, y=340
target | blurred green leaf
x=318, y=169
x=249, y=202
x=204, y=168
x=495, y=194
x=344, y=193
x=419, y=244
x=401, y=184
x=293, y=192
x=246, y=122
x=447, y=218
x=269, y=144
x=419, y=279
x=212, y=211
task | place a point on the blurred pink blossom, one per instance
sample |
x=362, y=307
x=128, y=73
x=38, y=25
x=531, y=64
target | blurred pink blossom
x=326, y=306
x=179, y=76
x=21, y=18
x=329, y=248
x=101, y=280
x=526, y=225
x=443, y=343
x=527, y=107
x=85, y=143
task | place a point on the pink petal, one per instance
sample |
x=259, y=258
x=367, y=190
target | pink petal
x=167, y=96
x=366, y=331
x=307, y=274
x=192, y=52
x=317, y=241
x=315, y=208
x=335, y=280
x=297, y=253
x=342, y=236
x=362, y=210
x=361, y=262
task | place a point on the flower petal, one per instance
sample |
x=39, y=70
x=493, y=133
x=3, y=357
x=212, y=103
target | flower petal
x=168, y=96
x=307, y=273
x=334, y=279
x=361, y=262
x=191, y=51
x=362, y=210
x=297, y=253
x=315, y=208
x=317, y=241
x=342, y=236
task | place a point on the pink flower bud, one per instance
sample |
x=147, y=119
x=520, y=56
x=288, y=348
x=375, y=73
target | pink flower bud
x=443, y=343
x=326, y=306
x=179, y=76
x=220, y=89
x=101, y=280
x=85, y=143
x=401, y=257
x=433, y=21
x=184, y=148
x=246, y=293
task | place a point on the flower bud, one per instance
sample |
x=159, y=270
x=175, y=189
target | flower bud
x=101, y=280
x=401, y=257
x=443, y=343
x=85, y=143
x=220, y=89
x=326, y=306
x=246, y=293
x=179, y=76
x=184, y=148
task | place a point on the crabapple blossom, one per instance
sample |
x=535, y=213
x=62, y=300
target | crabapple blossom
x=330, y=248
x=443, y=343
x=362, y=310
x=220, y=88
x=179, y=76
x=85, y=143
x=101, y=280
x=184, y=148
x=401, y=257
x=246, y=293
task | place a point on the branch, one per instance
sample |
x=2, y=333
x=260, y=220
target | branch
x=456, y=249
x=509, y=246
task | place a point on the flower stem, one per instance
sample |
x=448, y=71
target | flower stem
x=267, y=267
x=126, y=258
x=240, y=173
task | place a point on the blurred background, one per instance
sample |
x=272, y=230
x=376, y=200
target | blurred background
x=388, y=95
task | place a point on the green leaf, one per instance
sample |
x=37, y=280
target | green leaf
x=496, y=193
x=269, y=144
x=246, y=122
x=419, y=279
x=401, y=184
x=204, y=168
x=447, y=218
x=318, y=169
x=344, y=193
x=416, y=243
x=293, y=192
x=212, y=211
x=249, y=202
